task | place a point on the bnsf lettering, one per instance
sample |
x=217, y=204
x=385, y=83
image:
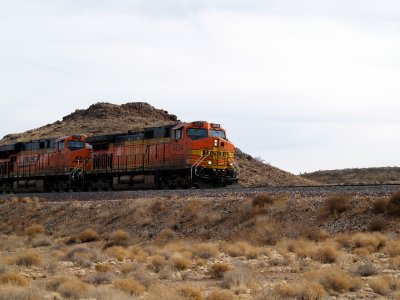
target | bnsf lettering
x=29, y=160
x=214, y=153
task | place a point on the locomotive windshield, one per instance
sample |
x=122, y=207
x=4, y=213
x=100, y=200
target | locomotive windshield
x=75, y=145
x=197, y=133
x=217, y=133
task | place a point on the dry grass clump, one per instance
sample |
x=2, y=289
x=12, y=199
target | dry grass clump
x=127, y=268
x=34, y=229
x=394, y=263
x=260, y=202
x=240, y=280
x=302, y=290
x=380, y=285
x=243, y=248
x=377, y=225
x=179, y=263
x=317, y=235
x=9, y=292
x=337, y=204
x=218, y=269
x=266, y=232
x=393, y=206
x=371, y=241
x=41, y=243
x=13, y=279
x=99, y=278
x=118, y=252
x=68, y=287
x=118, y=238
x=218, y=294
x=190, y=293
x=82, y=256
x=88, y=235
x=102, y=268
x=366, y=269
x=380, y=205
x=326, y=254
x=333, y=280
x=129, y=286
x=392, y=248
x=28, y=259
x=205, y=250
x=157, y=263
x=165, y=235
x=137, y=253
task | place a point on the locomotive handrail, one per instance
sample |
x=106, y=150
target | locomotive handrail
x=196, y=164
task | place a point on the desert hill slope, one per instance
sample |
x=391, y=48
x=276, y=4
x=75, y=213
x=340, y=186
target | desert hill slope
x=356, y=176
x=104, y=118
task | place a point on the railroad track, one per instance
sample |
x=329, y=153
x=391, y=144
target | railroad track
x=360, y=190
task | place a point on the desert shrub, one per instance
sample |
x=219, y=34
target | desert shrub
x=73, y=288
x=261, y=200
x=191, y=293
x=366, y=269
x=241, y=276
x=102, y=268
x=118, y=238
x=379, y=285
x=393, y=206
x=344, y=240
x=157, y=262
x=333, y=280
x=137, y=253
x=220, y=295
x=266, y=232
x=126, y=268
x=54, y=283
x=165, y=235
x=13, y=279
x=81, y=256
x=88, y=235
x=41, y=243
x=3, y=268
x=372, y=241
x=34, y=229
x=218, y=269
x=205, y=250
x=337, y=204
x=99, y=278
x=29, y=258
x=317, y=235
x=118, y=252
x=302, y=290
x=129, y=286
x=377, y=225
x=394, y=263
x=180, y=263
x=392, y=248
x=380, y=205
x=9, y=292
x=242, y=248
x=326, y=254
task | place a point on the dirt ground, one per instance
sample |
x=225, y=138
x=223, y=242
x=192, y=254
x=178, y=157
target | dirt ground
x=264, y=247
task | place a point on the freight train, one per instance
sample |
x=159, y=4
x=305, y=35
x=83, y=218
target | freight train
x=183, y=155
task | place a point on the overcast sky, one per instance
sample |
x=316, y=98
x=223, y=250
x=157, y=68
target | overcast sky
x=306, y=85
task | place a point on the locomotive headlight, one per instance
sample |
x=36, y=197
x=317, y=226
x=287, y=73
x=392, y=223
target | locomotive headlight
x=216, y=143
x=209, y=162
x=231, y=164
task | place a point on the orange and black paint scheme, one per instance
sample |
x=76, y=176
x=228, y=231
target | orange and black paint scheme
x=181, y=155
x=44, y=165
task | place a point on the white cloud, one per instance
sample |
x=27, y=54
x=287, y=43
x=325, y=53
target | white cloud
x=289, y=79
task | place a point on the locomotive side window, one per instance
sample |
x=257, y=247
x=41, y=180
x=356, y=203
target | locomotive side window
x=196, y=133
x=75, y=145
x=217, y=133
x=60, y=146
x=179, y=133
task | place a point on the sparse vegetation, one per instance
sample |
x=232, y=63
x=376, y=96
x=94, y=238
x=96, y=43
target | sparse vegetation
x=280, y=253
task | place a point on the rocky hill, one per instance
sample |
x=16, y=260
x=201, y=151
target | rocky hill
x=104, y=118
x=356, y=176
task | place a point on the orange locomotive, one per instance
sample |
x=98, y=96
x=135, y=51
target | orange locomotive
x=44, y=165
x=183, y=155
x=174, y=156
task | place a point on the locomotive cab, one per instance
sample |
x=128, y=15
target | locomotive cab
x=211, y=153
x=76, y=153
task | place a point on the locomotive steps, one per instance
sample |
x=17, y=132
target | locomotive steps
x=107, y=118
